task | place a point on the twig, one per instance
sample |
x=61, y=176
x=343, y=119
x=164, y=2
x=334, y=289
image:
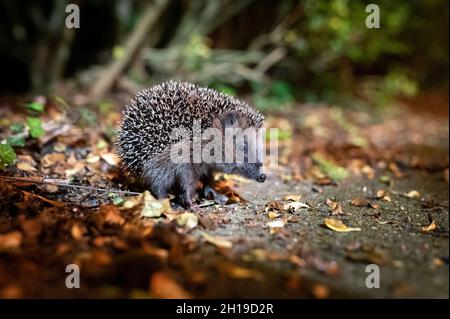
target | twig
x=46, y=182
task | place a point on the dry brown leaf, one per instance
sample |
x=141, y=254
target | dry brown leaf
x=149, y=205
x=368, y=254
x=413, y=194
x=429, y=228
x=396, y=170
x=359, y=202
x=112, y=215
x=293, y=198
x=188, y=220
x=320, y=291
x=111, y=158
x=52, y=159
x=163, y=285
x=273, y=215
x=238, y=272
x=217, y=241
x=381, y=193
x=438, y=262
x=25, y=166
x=368, y=171
x=10, y=240
x=339, y=226
x=77, y=231
x=336, y=208
x=274, y=205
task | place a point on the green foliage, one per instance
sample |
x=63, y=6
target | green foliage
x=195, y=52
x=35, y=126
x=16, y=140
x=224, y=88
x=276, y=95
x=116, y=199
x=7, y=155
x=17, y=127
x=35, y=107
x=333, y=171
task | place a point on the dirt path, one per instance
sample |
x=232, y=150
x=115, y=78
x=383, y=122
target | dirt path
x=410, y=261
x=395, y=192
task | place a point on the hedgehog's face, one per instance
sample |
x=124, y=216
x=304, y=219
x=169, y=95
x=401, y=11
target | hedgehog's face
x=243, y=149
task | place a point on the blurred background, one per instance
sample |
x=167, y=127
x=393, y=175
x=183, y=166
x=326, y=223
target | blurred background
x=275, y=52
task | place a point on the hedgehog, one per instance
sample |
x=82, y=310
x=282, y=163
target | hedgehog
x=180, y=120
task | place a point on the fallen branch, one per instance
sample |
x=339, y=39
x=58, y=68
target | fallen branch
x=131, y=47
x=55, y=183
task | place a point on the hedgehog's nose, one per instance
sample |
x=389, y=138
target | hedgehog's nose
x=261, y=178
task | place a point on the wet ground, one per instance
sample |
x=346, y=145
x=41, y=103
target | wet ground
x=412, y=263
x=394, y=192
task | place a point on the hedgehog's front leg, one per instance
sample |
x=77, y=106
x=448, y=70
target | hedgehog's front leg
x=208, y=189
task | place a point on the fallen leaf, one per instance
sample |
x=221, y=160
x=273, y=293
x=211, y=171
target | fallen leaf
x=163, y=285
x=10, y=240
x=273, y=215
x=359, y=202
x=52, y=159
x=24, y=166
x=381, y=193
x=276, y=224
x=49, y=188
x=438, y=262
x=412, y=194
x=274, y=205
x=91, y=159
x=320, y=291
x=293, y=198
x=112, y=215
x=217, y=241
x=77, y=231
x=429, y=228
x=374, y=205
x=149, y=205
x=329, y=168
x=188, y=220
x=111, y=158
x=335, y=207
x=368, y=171
x=368, y=254
x=396, y=170
x=339, y=226
x=238, y=272
x=294, y=206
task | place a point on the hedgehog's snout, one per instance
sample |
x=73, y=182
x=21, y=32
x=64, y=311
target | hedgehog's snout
x=261, y=178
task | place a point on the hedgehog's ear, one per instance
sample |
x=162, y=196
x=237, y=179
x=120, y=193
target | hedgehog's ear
x=230, y=119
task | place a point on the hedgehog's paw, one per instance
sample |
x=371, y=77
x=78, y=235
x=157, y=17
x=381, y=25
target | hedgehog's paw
x=212, y=194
